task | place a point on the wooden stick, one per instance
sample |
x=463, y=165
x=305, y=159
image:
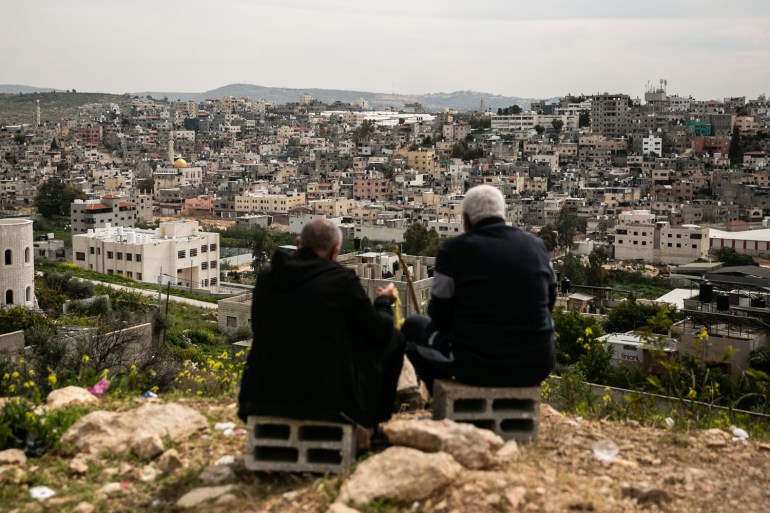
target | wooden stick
x=409, y=283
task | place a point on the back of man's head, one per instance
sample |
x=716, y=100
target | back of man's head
x=482, y=202
x=322, y=237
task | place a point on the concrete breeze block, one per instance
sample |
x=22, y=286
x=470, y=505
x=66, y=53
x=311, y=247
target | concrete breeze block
x=291, y=445
x=511, y=412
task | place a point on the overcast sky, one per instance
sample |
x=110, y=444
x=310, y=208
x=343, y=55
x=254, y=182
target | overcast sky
x=705, y=48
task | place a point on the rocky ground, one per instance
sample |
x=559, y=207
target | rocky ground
x=114, y=463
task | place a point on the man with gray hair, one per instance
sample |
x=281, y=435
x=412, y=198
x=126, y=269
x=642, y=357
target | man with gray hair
x=321, y=350
x=493, y=291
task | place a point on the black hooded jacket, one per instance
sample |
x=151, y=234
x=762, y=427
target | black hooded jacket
x=317, y=342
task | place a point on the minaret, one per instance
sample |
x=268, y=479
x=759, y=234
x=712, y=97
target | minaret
x=171, y=148
x=37, y=112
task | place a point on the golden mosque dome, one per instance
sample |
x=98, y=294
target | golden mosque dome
x=180, y=163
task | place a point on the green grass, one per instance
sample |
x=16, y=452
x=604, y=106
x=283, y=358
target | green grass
x=120, y=280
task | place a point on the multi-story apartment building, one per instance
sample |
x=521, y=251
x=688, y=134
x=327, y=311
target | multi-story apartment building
x=638, y=236
x=609, y=114
x=377, y=189
x=176, y=252
x=110, y=209
x=268, y=203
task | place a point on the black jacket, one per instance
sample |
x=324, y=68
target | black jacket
x=492, y=296
x=317, y=339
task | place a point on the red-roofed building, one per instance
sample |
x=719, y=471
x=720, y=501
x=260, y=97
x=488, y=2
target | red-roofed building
x=109, y=210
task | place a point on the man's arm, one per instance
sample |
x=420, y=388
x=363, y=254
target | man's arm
x=372, y=323
x=442, y=293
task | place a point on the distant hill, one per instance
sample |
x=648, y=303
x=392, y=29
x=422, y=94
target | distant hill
x=15, y=89
x=18, y=108
x=431, y=102
x=460, y=100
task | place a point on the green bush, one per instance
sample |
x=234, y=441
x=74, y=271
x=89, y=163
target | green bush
x=22, y=428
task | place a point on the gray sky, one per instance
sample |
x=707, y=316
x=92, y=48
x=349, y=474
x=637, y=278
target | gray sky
x=705, y=48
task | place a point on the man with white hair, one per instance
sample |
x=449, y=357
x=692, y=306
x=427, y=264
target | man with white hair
x=321, y=350
x=493, y=291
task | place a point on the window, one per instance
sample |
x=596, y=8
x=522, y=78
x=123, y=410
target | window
x=110, y=254
x=9, y=296
x=129, y=256
x=232, y=322
x=28, y=294
x=91, y=250
x=98, y=251
x=80, y=255
x=204, y=248
x=138, y=257
x=193, y=252
x=181, y=253
x=213, y=264
x=129, y=274
x=213, y=247
x=139, y=276
x=213, y=281
x=204, y=266
x=26, y=255
x=8, y=261
x=120, y=255
x=110, y=272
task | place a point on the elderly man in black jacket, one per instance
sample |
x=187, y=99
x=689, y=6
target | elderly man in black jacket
x=491, y=299
x=321, y=350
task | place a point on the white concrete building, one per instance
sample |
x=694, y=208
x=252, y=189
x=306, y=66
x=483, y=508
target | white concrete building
x=652, y=144
x=638, y=236
x=176, y=252
x=17, y=267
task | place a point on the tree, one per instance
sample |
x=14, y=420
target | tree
x=54, y=198
x=566, y=225
x=731, y=258
x=415, y=239
x=735, y=152
x=262, y=247
x=571, y=268
x=631, y=315
x=364, y=132
x=557, y=125
x=539, y=129
x=595, y=274
x=549, y=236
x=569, y=328
x=148, y=184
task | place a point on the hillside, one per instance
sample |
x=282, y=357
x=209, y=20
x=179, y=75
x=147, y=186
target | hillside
x=54, y=106
x=657, y=469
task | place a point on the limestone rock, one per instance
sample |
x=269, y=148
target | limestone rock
x=471, y=446
x=78, y=465
x=116, y=431
x=338, y=507
x=216, y=474
x=111, y=488
x=12, y=457
x=507, y=452
x=401, y=475
x=408, y=377
x=147, y=447
x=169, y=462
x=84, y=507
x=68, y=396
x=200, y=495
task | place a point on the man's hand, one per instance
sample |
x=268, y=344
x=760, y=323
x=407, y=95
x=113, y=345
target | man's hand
x=388, y=291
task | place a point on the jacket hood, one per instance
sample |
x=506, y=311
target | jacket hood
x=289, y=271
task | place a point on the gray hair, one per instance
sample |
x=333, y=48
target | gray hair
x=320, y=235
x=483, y=201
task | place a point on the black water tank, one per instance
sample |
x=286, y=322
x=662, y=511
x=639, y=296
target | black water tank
x=758, y=302
x=723, y=303
x=357, y=244
x=706, y=292
x=565, y=286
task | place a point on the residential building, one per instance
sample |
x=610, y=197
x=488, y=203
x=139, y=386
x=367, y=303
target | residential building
x=17, y=267
x=110, y=209
x=177, y=252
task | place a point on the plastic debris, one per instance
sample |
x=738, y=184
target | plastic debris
x=224, y=426
x=150, y=395
x=234, y=432
x=669, y=422
x=41, y=493
x=739, y=435
x=100, y=387
x=606, y=450
x=225, y=460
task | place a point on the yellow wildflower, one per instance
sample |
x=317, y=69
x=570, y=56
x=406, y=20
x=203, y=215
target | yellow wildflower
x=692, y=394
x=12, y=388
x=589, y=332
x=31, y=373
x=52, y=379
x=85, y=358
x=15, y=375
x=6, y=376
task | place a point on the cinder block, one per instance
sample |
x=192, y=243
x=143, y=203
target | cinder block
x=511, y=412
x=290, y=445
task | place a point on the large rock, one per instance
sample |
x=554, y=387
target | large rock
x=400, y=475
x=147, y=447
x=475, y=448
x=198, y=496
x=12, y=457
x=68, y=396
x=116, y=431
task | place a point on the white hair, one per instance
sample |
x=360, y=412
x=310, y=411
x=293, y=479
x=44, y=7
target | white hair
x=483, y=201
